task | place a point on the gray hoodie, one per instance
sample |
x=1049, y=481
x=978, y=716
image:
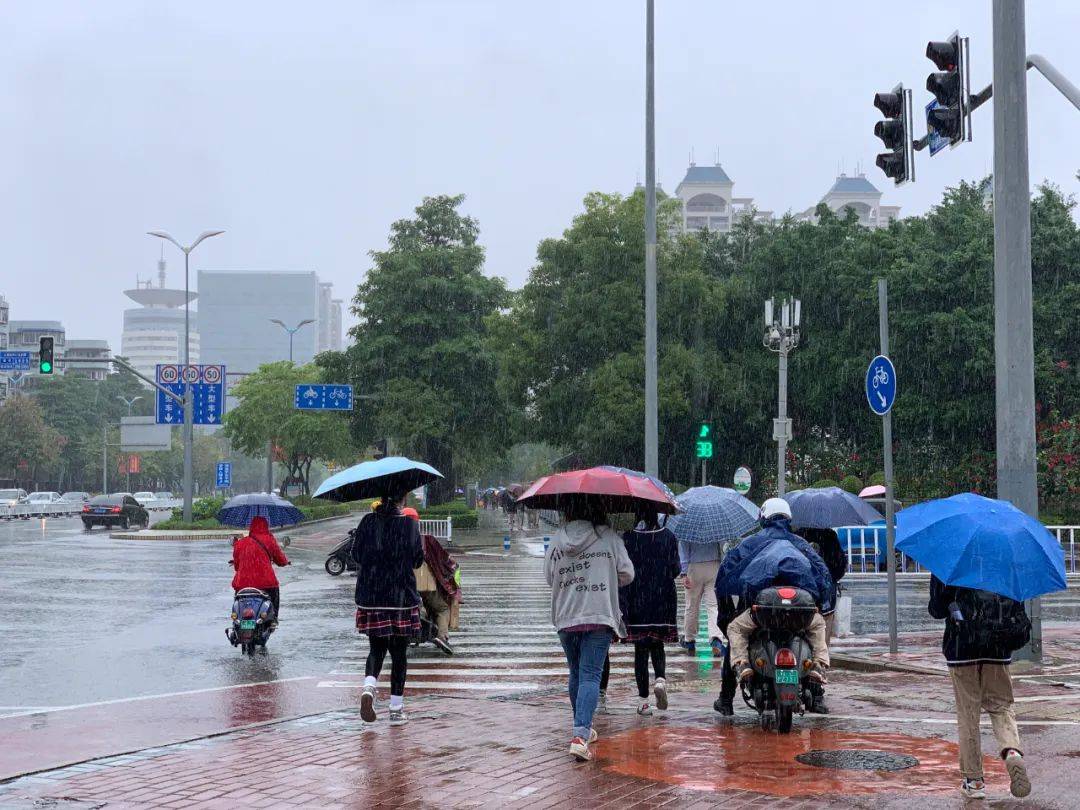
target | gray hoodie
x=585, y=567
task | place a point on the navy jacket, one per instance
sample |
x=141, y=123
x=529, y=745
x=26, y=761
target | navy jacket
x=728, y=578
x=386, y=548
x=651, y=598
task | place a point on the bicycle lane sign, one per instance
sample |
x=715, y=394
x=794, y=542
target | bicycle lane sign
x=881, y=385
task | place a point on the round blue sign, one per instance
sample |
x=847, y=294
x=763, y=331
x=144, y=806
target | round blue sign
x=881, y=385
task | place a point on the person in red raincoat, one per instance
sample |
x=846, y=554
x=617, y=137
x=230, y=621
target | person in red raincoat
x=254, y=557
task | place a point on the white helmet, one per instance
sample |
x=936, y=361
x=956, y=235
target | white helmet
x=775, y=507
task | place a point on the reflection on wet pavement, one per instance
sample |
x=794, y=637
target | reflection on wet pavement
x=747, y=758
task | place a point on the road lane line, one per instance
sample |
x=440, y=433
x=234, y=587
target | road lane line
x=445, y=687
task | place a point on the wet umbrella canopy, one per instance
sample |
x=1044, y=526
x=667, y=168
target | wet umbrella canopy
x=976, y=542
x=598, y=486
x=373, y=479
x=828, y=507
x=712, y=515
x=239, y=510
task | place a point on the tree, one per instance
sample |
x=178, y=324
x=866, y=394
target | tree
x=28, y=446
x=266, y=413
x=423, y=346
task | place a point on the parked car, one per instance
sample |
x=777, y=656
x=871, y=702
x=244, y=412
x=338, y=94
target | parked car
x=76, y=497
x=121, y=495
x=143, y=497
x=42, y=497
x=10, y=497
x=164, y=495
x=114, y=510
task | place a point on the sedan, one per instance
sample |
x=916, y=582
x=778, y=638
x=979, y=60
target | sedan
x=76, y=496
x=114, y=510
x=10, y=497
x=38, y=498
x=143, y=497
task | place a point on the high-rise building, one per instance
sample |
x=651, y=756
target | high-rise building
x=326, y=299
x=154, y=332
x=237, y=310
x=335, y=325
x=94, y=354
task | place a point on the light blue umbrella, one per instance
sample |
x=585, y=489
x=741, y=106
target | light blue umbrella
x=625, y=471
x=240, y=509
x=829, y=507
x=712, y=515
x=374, y=479
x=976, y=542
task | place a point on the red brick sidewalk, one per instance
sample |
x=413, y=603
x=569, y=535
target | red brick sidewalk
x=470, y=752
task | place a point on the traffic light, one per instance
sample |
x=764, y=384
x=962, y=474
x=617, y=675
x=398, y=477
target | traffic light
x=949, y=117
x=895, y=132
x=703, y=444
x=380, y=449
x=45, y=356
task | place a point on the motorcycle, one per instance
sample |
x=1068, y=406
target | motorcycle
x=781, y=657
x=338, y=561
x=253, y=620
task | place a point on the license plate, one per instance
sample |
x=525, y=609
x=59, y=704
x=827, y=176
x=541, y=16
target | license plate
x=100, y=511
x=249, y=624
x=790, y=676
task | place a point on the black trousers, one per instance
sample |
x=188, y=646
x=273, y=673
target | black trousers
x=605, y=676
x=275, y=600
x=398, y=647
x=727, y=677
x=643, y=651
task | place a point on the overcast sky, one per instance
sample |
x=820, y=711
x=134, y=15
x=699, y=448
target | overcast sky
x=305, y=129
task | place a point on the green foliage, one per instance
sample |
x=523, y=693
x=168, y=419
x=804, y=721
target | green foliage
x=463, y=517
x=877, y=479
x=176, y=522
x=266, y=412
x=28, y=446
x=823, y=483
x=423, y=345
x=852, y=484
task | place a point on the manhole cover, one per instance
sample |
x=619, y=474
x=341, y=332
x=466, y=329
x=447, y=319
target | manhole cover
x=858, y=759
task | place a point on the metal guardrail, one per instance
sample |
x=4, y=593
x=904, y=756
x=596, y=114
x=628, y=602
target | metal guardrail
x=439, y=529
x=25, y=511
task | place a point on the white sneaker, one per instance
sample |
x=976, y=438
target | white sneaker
x=398, y=717
x=644, y=709
x=660, y=693
x=973, y=788
x=592, y=736
x=579, y=750
x=601, y=703
x=367, y=704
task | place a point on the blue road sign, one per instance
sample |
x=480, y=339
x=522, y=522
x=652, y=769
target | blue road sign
x=224, y=474
x=324, y=397
x=207, y=395
x=14, y=361
x=881, y=385
x=937, y=141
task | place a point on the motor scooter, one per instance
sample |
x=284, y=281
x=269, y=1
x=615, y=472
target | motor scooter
x=781, y=656
x=338, y=561
x=253, y=616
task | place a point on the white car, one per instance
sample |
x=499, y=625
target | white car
x=143, y=497
x=39, y=498
x=10, y=497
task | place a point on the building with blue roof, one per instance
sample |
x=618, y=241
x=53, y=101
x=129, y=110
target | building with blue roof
x=855, y=193
x=709, y=201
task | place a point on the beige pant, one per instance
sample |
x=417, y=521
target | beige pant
x=980, y=687
x=438, y=611
x=740, y=628
x=702, y=576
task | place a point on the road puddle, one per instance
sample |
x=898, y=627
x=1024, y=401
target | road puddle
x=746, y=758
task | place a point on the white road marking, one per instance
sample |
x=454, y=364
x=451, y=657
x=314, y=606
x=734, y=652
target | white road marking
x=445, y=687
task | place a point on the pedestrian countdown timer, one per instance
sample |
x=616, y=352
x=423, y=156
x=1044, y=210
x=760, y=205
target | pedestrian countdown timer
x=704, y=445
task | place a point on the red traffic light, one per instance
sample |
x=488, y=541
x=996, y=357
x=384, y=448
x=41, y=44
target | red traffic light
x=946, y=55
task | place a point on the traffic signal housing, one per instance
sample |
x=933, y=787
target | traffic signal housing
x=895, y=132
x=950, y=117
x=380, y=449
x=45, y=356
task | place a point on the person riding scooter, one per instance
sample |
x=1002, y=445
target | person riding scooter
x=740, y=577
x=254, y=557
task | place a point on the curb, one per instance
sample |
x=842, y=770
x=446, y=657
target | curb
x=208, y=534
x=858, y=663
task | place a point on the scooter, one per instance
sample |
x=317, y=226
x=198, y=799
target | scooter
x=338, y=560
x=781, y=657
x=253, y=620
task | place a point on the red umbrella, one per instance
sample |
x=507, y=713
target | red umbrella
x=615, y=491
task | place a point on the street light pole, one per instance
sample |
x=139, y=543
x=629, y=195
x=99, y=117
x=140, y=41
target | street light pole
x=1014, y=353
x=782, y=337
x=129, y=403
x=189, y=432
x=652, y=452
x=270, y=442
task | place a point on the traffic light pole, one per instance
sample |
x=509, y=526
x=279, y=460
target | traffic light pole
x=886, y=442
x=652, y=451
x=1014, y=353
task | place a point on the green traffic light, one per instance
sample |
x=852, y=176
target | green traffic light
x=46, y=367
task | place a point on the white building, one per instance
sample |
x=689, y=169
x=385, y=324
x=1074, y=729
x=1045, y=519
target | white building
x=154, y=332
x=96, y=351
x=709, y=201
x=859, y=195
x=335, y=325
x=25, y=336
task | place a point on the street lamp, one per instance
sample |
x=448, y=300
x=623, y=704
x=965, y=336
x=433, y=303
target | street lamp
x=189, y=433
x=782, y=337
x=291, y=332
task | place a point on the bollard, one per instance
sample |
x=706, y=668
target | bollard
x=506, y=542
x=843, y=617
x=546, y=541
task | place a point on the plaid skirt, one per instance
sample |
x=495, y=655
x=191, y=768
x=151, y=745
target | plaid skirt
x=664, y=633
x=380, y=623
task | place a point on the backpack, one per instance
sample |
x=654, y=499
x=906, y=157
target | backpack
x=992, y=621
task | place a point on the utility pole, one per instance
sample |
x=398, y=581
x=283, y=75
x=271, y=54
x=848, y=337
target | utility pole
x=652, y=450
x=1014, y=354
x=782, y=337
x=886, y=440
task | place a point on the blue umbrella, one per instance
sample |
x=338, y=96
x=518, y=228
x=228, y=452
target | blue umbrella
x=828, y=507
x=373, y=479
x=778, y=562
x=240, y=509
x=659, y=484
x=712, y=515
x=976, y=542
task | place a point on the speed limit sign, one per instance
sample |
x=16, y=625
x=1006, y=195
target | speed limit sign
x=168, y=374
x=191, y=374
x=211, y=374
